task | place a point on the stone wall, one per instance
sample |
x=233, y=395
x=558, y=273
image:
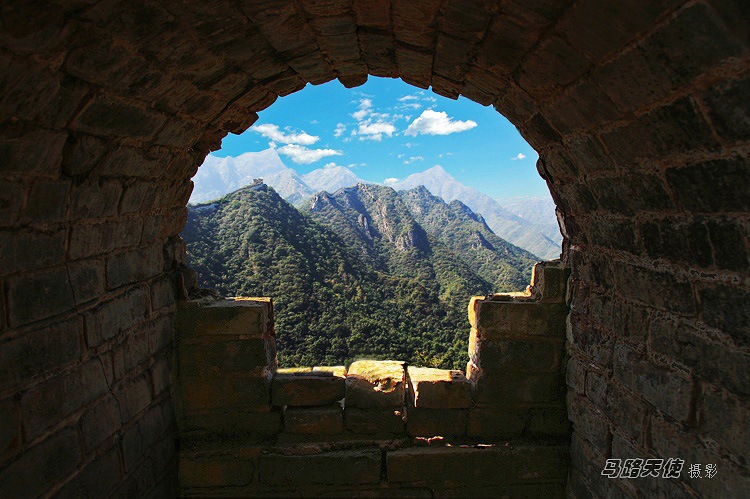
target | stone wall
x=376, y=427
x=637, y=108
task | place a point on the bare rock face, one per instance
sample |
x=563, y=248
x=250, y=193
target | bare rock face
x=372, y=383
x=308, y=386
x=438, y=388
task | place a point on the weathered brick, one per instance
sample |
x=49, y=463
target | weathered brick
x=116, y=315
x=727, y=239
x=95, y=198
x=87, y=279
x=339, y=467
x=722, y=417
x=553, y=63
x=224, y=317
x=251, y=390
x=248, y=425
x=438, y=388
x=38, y=352
x=656, y=288
x=725, y=307
x=309, y=388
x=24, y=250
x=575, y=375
x=711, y=186
x=666, y=389
x=100, y=238
x=591, y=341
x=596, y=28
x=160, y=376
x=498, y=319
x=47, y=201
x=495, y=422
x=161, y=333
x=26, y=151
x=678, y=127
x=38, y=296
x=98, y=477
x=325, y=420
x=217, y=357
x=510, y=388
x=375, y=421
x=546, y=422
x=710, y=359
x=432, y=422
x=135, y=162
x=138, y=196
x=133, y=396
x=10, y=434
x=703, y=43
x=100, y=422
x=627, y=412
x=53, y=399
x=522, y=355
x=479, y=465
x=729, y=120
x=232, y=467
x=134, y=266
x=40, y=468
x=372, y=383
x=589, y=422
x=11, y=199
x=676, y=239
x=83, y=153
x=107, y=116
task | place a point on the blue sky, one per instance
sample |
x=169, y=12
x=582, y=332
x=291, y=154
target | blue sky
x=387, y=129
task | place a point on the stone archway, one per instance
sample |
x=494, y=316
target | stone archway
x=638, y=111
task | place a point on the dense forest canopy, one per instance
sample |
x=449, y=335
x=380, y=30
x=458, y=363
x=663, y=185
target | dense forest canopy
x=366, y=272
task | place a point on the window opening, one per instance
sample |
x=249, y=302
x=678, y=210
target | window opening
x=371, y=216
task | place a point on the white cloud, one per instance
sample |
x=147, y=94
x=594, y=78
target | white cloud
x=411, y=105
x=390, y=180
x=400, y=156
x=408, y=97
x=375, y=131
x=437, y=123
x=304, y=156
x=412, y=159
x=411, y=144
x=314, y=122
x=520, y=155
x=365, y=107
x=271, y=131
x=340, y=129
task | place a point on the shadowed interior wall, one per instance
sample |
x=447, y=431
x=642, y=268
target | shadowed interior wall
x=637, y=108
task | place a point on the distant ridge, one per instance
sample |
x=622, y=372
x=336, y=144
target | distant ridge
x=366, y=271
x=528, y=223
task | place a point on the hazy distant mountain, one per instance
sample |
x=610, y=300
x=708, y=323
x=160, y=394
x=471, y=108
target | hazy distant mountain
x=330, y=179
x=509, y=226
x=360, y=275
x=219, y=176
x=539, y=211
x=528, y=223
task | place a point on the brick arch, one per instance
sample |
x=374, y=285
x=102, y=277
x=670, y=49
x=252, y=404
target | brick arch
x=638, y=110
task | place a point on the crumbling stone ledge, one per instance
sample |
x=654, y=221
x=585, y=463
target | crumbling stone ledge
x=376, y=426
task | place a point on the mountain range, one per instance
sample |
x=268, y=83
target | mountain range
x=366, y=271
x=529, y=223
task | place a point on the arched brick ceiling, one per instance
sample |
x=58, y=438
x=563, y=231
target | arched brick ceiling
x=638, y=109
x=594, y=86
